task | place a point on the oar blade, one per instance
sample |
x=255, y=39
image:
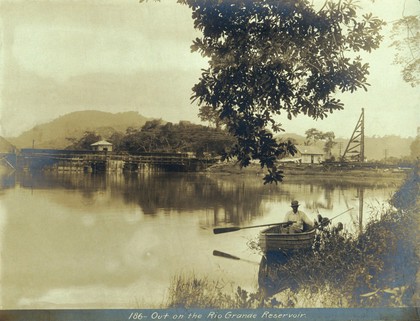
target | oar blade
x=225, y=229
x=225, y=255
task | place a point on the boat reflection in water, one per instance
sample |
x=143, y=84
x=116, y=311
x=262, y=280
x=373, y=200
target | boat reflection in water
x=273, y=277
x=278, y=247
x=268, y=279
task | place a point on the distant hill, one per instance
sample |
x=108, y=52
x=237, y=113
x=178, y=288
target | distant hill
x=379, y=148
x=376, y=148
x=6, y=146
x=298, y=139
x=74, y=125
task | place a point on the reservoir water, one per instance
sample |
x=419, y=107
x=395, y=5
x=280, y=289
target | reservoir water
x=78, y=240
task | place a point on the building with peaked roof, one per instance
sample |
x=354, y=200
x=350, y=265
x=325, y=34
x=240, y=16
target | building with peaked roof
x=102, y=146
x=309, y=154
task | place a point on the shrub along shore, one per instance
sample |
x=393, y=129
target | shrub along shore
x=374, y=269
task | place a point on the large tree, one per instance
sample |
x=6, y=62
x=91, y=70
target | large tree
x=85, y=142
x=155, y=136
x=406, y=41
x=275, y=57
x=313, y=135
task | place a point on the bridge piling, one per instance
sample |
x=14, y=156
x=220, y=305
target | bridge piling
x=64, y=160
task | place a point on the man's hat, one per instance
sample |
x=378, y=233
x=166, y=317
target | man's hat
x=294, y=203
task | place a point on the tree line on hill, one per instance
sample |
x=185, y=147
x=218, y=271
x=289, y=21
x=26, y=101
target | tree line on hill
x=158, y=136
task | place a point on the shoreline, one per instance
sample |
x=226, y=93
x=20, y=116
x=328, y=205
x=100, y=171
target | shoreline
x=316, y=171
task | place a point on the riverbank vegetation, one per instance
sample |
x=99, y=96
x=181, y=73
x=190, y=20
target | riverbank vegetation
x=376, y=268
x=157, y=136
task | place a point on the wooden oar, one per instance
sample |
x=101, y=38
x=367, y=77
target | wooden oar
x=232, y=257
x=225, y=255
x=237, y=228
x=221, y=230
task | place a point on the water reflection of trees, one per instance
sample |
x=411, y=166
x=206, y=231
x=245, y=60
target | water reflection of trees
x=88, y=184
x=230, y=199
x=230, y=202
x=321, y=193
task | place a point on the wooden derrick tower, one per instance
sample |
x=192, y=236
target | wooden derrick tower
x=355, y=150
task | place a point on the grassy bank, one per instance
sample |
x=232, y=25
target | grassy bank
x=376, y=268
x=291, y=170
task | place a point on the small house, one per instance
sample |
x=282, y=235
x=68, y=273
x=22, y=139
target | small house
x=309, y=154
x=102, y=146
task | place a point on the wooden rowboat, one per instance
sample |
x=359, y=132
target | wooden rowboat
x=272, y=240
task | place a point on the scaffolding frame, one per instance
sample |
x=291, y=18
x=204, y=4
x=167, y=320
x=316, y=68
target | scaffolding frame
x=356, y=146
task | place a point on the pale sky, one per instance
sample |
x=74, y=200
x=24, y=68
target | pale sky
x=119, y=55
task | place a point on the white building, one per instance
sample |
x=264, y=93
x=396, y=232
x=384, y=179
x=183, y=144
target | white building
x=309, y=154
x=102, y=146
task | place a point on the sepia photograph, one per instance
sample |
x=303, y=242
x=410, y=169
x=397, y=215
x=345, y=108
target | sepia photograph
x=209, y=160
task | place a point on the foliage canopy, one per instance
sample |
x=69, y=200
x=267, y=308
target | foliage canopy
x=84, y=143
x=156, y=136
x=313, y=135
x=271, y=57
x=407, y=48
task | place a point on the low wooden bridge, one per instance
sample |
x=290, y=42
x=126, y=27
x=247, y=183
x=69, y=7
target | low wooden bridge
x=64, y=160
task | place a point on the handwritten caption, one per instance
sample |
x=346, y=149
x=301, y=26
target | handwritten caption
x=212, y=315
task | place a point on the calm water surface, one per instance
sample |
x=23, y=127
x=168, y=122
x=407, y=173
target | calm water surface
x=116, y=241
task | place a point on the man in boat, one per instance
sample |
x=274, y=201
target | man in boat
x=301, y=222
